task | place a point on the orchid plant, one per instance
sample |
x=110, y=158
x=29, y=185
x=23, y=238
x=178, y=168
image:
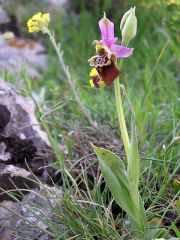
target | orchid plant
x=123, y=181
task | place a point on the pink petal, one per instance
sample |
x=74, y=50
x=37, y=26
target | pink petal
x=108, y=42
x=106, y=28
x=121, y=51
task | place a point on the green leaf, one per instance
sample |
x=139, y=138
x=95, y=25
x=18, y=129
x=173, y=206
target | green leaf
x=175, y=229
x=114, y=172
x=156, y=233
x=133, y=168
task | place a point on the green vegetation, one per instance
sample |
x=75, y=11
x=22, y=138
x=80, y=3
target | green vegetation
x=150, y=77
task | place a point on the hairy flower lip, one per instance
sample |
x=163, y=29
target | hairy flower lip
x=106, y=70
x=109, y=73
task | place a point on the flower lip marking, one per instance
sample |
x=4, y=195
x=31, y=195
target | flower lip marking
x=105, y=70
x=103, y=57
x=101, y=61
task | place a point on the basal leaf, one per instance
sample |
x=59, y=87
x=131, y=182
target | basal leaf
x=134, y=167
x=114, y=172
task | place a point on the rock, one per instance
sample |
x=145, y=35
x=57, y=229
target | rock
x=4, y=156
x=18, y=54
x=7, y=234
x=4, y=18
x=12, y=177
x=37, y=202
x=21, y=138
x=58, y=5
x=5, y=116
x=8, y=219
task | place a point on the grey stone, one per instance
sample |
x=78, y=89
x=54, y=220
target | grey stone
x=4, y=156
x=7, y=234
x=4, y=18
x=58, y=5
x=11, y=176
x=37, y=202
x=17, y=54
x=21, y=137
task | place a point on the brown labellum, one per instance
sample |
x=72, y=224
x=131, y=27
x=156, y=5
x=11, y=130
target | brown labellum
x=105, y=66
x=108, y=73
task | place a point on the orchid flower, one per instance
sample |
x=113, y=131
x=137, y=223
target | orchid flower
x=105, y=70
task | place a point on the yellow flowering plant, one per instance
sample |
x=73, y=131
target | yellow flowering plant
x=39, y=23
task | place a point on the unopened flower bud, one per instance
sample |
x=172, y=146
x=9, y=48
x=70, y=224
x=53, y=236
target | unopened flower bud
x=124, y=18
x=128, y=26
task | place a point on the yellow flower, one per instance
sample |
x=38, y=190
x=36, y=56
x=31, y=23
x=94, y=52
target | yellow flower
x=91, y=83
x=39, y=22
x=101, y=83
x=95, y=80
x=93, y=72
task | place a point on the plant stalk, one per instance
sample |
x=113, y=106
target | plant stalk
x=120, y=113
x=69, y=79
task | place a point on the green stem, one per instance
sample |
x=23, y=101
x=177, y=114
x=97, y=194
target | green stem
x=69, y=79
x=120, y=113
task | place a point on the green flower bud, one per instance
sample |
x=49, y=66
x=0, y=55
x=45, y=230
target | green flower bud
x=124, y=18
x=128, y=26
